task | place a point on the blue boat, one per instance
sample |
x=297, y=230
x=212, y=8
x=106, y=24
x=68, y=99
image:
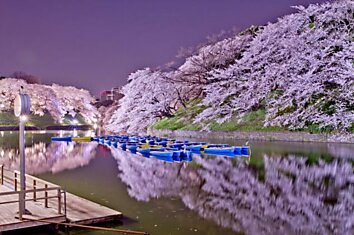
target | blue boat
x=143, y=151
x=195, y=148
x=176, y=154
x=186, y=156
x=176, y=145
x=176, y=158
x=163, y=143
x=238, y=151
x=65, y=139
x=245, y=151
x=145, y=155
x=242, y=151
x=114, y=144
x=172, y=149
x=219, y=150
x=132, y=148
x=157, y=149
x=107, y=141
x=162, y=154
x=122, y=145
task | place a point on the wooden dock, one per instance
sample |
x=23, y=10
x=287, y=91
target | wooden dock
x=45, y=202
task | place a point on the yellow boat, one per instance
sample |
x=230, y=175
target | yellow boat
x=156, y=146
x=81, y=139
x=145, y=146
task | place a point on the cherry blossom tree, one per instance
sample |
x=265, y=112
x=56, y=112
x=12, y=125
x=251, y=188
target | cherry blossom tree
x=147, y=97
x=300, y=68
x=56, y=100
x=76, y=101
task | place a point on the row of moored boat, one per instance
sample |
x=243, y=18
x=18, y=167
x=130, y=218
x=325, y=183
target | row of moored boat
x=163, y=148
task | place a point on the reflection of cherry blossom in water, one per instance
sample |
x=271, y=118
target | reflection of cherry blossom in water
x=151, y=178
x=343, y=150
x=55, y=157
x=295, y=197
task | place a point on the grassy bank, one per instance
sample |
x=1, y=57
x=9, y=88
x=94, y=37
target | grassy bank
x=9, y=119
x=183, y=119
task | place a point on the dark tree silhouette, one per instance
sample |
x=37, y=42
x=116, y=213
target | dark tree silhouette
x=29, y=78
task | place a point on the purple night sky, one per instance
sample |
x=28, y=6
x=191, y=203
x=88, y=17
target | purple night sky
x=97, y=44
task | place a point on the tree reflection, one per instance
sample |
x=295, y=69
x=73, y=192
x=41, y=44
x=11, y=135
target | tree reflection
x=53, y=157
x=296, y=196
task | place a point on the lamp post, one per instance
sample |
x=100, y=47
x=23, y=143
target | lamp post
x=21, y=109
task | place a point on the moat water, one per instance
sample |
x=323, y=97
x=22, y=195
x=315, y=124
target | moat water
x=283, y=188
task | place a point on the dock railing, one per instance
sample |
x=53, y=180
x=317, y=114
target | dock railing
x=36, y=190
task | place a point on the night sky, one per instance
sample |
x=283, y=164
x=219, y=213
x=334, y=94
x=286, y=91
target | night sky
x=97, y=44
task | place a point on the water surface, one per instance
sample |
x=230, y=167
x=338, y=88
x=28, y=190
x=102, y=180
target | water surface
x=284, y=188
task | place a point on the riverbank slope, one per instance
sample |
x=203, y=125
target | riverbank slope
x=255, y=135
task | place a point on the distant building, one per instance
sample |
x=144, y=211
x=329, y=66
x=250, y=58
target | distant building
x=106, y=95
x=113, y=94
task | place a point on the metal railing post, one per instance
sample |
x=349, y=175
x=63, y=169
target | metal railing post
x=15, y=181
x=46, y=196
x=59, y=201
x=2, y=174
x=34, y=190
x=65, y=203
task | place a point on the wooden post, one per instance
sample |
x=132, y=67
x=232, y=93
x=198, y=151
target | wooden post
x=34, y=190
x=59, y=201
x=2, y=174
x=15, y=181
x=46, y=196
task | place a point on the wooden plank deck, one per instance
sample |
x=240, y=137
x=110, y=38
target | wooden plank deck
x=78, y=210
x=82, y=211
x=9, y=213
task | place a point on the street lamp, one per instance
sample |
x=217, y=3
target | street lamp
x=22, y=108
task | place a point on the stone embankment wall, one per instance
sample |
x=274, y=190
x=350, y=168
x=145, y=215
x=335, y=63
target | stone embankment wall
x=262, y=136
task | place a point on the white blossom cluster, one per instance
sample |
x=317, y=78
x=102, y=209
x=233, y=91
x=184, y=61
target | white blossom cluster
x=300, y=70
x=57, y=100
x=147, y=96
x=150, y=95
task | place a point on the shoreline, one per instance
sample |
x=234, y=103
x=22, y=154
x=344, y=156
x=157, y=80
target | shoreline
x=48, y=128
x=256, y=135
